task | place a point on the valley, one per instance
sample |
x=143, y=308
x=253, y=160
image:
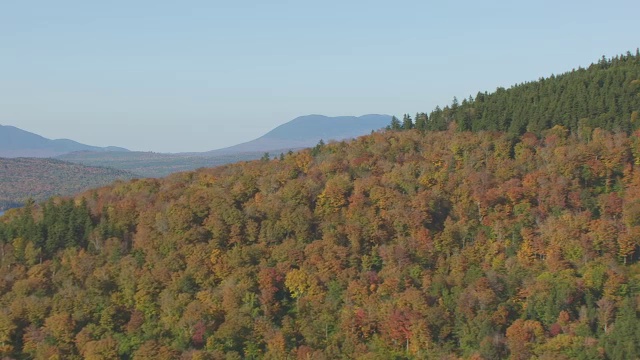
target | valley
x=147, y=164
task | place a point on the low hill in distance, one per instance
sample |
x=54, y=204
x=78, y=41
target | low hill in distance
x=307, y=131
x=15, y=142
x=150, y=164
x=39, y=179
x=302, y=132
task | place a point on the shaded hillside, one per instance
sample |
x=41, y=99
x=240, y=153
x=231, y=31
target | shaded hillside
x=39, y=179
x=149, y=164
x=604, y=95
x=307, y=131
x=15, y=142
x=398, y=245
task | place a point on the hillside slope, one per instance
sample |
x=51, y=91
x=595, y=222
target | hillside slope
x=39, y=179
x=604, y=95
x=401, y=244
x=395, y=245
x=15, y=142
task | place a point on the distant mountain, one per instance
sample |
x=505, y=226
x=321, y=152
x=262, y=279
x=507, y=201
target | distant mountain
x=16, y=142
x=39, y=179
x=307, y=131
x=304, y=131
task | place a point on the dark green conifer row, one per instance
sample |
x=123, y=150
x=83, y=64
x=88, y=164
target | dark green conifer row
x=605, y=95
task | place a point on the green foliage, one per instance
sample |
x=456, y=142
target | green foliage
x=395, y=124
x=605, y=95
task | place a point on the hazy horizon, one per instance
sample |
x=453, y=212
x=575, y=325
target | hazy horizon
x=197, y=76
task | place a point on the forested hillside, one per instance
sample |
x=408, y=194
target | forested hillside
x=395, y=245
x=605, y=95
x=518, y=240
x=39, y=179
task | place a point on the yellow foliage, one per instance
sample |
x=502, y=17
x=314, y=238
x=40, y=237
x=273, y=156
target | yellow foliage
x=297, y=282
x=303, y=161
x=215, y=256
x=526, y=254
x=7, y=327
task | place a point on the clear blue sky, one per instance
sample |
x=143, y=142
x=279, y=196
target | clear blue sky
x=199, y=75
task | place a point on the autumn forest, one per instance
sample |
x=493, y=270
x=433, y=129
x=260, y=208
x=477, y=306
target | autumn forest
x=503, y=226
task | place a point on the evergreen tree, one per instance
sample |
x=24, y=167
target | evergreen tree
x=421, y=121
x=395, y=124
x=605, y=95
x=407, y=123
x=624, y=341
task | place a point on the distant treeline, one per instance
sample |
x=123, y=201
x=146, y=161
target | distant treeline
x=605, y=95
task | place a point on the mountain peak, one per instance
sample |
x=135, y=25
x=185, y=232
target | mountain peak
x=308, y=130
x=316, y=127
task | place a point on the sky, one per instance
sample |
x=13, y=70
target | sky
x=177, y=76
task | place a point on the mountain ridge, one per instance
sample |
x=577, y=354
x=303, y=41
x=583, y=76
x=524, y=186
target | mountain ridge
x=16, y=142
x=301, y=132
x=308, y=130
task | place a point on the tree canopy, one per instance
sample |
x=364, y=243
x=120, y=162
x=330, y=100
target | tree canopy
x=397, y=245
x=605, y=95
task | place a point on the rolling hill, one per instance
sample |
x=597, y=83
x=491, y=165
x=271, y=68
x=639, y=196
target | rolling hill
x=39, y=179
x=395, y=245
x=403, y=244
x=304, y=131
x=15, y=142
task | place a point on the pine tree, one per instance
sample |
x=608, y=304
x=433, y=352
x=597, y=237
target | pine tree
x=407, y=123
x=421, y=121
x=624, y=341
x=395, y=124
